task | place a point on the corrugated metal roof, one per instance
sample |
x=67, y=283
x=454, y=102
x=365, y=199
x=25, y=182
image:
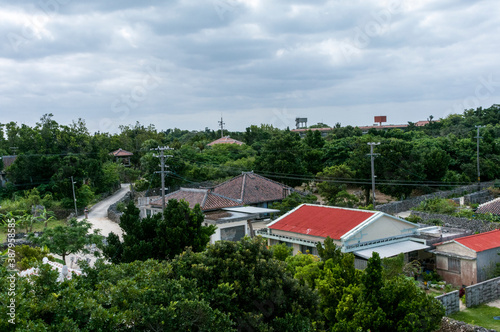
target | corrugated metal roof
x=321, y=221
x=393, y=249
x=481, y=242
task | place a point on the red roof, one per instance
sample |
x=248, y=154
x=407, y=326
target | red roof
x=121, y=153
x=481, y=242
x=322, y=221
x=225, y=140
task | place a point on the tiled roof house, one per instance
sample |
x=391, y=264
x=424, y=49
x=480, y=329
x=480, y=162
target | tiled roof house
x=206, y=198
x=122, y=155
x=247, y=188
x=225, y=140
x=490, y=207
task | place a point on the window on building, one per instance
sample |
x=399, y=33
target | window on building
x=311, y=249
x=235, y=233
x=148, y=213
x=454, y=265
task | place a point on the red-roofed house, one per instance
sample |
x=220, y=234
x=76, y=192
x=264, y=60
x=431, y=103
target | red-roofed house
x=358, y=231
x=468, y=260
x=225, y=140
x=123, y=156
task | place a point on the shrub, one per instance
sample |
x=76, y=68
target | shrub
x=437, y=205
x=435, y=221
x=120, y=207
x=27, y=257
x=414, y=219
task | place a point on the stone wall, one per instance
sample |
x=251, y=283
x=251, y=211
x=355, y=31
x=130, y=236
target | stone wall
x=400, y=206
x=450, y=301
x=113, y=213
x=473, y=225
x=483, y=292
x=451, y=325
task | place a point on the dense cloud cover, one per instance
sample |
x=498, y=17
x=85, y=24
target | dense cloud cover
x=184, y=63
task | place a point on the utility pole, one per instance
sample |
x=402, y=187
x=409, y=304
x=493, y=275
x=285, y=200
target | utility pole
x=162, y=157
x=478, y=170
x=371, y=154
x=74, y=196
x=221, y=124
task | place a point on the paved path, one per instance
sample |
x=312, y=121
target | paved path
x=98, y=217
x=98, y=214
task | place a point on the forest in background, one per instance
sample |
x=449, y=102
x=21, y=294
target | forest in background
x=416, y=160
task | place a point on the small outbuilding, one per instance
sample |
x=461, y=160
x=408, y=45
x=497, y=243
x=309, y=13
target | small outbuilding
x=468, y=260
x=122, y=156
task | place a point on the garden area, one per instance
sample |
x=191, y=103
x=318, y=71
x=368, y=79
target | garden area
x=482, y=315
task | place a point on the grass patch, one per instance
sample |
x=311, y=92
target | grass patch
x=481, y=315
x=37, y=227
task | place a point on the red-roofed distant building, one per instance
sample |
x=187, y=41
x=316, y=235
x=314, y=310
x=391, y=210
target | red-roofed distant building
x=468, y=260
x=358, y=231
x=225, y=140
x=122, y=155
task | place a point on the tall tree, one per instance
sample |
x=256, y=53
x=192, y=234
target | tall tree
x=161, y=236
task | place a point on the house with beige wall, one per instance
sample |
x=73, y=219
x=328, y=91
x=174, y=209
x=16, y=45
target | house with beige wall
x=468, y=260
x=358, y=231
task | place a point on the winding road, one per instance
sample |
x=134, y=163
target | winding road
x=98, y=214
x=98, y=217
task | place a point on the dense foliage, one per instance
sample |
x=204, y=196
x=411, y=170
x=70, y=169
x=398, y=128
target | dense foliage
x=160, y=236
x=438, y=155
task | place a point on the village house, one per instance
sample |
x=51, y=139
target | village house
x=358, y=231
x=225, y=140
x=468, y=260
x=229, y=205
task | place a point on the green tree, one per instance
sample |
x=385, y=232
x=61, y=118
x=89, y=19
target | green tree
x=161, y=236
x=292, y=201
x=332, y=187
x=70, y=239
x=281, y=158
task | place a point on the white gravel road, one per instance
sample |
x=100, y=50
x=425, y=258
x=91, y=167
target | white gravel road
x=98, y=217
x=98, y=214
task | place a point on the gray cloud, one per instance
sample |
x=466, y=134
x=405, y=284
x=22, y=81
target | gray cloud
x=183, y=63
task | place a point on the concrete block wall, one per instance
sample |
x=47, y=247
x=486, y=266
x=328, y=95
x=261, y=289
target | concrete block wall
x=483, y=292
x=450, y=301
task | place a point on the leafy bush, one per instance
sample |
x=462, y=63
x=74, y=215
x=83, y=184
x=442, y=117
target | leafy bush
x=120, y=207
x=141, y=185
x=437, y=205
x=281, y=251
x=435, y=222
x=414, y=219
x=27, y=257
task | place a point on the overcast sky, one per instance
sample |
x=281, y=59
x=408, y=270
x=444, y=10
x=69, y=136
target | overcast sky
x=185, y=63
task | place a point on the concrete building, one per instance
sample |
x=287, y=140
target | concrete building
x=358, y=231
x=468, y=260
